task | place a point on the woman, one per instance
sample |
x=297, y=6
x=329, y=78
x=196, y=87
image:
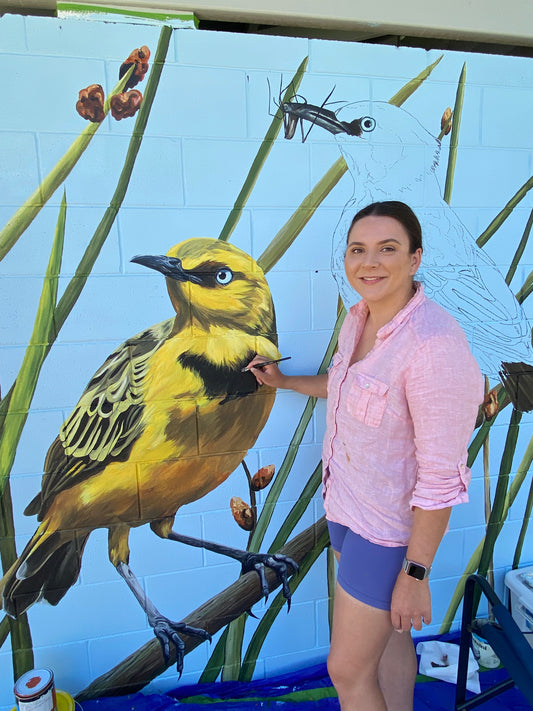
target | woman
x=403, y=394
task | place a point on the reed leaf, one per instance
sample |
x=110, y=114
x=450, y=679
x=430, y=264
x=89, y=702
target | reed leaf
x=497, y=515
x=43, y=332
x=27, y=212
x=526, y=289
x=216, y=660
x=21, y=642
x=298, y=220
x=262, y=154
x=471, y=567
x=500, y=218
x=454, y=137
x=4, y=629
x=520, y=250
x=233, y=649
x=523, y=529
x=263, y=628
x=411, y=86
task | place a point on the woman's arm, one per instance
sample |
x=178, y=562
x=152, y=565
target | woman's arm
x=310, y=385
x=411, y=599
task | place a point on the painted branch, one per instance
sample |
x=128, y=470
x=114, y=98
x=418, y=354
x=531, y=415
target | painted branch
x=137, y=670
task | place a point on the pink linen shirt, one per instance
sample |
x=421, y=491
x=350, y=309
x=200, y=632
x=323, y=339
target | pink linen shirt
x=399, y=421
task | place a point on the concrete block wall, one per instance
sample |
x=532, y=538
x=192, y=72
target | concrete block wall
x=211, y=111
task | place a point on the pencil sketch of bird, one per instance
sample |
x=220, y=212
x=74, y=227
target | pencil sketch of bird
x=164, y=421
x=393, y=157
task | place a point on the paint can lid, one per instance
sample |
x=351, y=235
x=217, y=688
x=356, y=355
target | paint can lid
x=33, y=682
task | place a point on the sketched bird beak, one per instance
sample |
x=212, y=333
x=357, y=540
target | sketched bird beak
x=170, y=267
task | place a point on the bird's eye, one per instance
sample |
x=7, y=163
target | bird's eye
x=368, y=123
x=224, y=276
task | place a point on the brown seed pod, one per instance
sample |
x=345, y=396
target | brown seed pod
x=126, y=104
x=262, y=477
x=490, y=405
x=140, y=58
x=446, y=121
x=242, y=513
x=90, y=104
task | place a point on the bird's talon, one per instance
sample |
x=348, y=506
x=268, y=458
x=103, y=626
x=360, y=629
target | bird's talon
x=167, y=631
x=278, y=563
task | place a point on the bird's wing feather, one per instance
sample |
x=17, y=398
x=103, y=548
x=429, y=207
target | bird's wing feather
x=107, y=419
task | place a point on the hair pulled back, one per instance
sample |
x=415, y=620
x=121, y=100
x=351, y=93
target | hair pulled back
x=398, y=211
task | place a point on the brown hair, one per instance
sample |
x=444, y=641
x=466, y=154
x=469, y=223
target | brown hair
x=398, y=211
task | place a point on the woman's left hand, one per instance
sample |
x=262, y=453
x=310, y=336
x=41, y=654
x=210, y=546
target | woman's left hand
x=411, y=603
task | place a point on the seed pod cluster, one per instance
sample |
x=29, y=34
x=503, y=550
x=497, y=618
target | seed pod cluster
x=90, y=104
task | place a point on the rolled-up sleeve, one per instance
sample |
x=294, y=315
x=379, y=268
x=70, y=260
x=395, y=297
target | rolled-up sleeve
x=444, y=389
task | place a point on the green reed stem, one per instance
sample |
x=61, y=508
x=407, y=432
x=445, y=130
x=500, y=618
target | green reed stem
x=520, y=250
x=500, y=218
x=454, y=137
x=261, y=157
x=43, y=333
x=523, y=530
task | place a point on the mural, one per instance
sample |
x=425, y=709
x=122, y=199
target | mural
x=172, y=412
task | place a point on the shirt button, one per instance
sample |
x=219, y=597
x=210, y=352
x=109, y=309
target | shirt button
x=367, y=385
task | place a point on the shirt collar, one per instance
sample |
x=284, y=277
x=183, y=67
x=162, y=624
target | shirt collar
x=360, y=311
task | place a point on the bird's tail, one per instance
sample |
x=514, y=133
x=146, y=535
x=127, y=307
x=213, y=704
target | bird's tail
x=517, y=379
x=46, y=569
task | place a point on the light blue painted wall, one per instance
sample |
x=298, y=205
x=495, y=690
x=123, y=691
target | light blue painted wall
x=209, y=116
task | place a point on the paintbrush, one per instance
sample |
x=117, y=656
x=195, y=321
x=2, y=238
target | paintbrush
x=265, y=362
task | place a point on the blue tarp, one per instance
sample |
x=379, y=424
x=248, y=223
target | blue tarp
x=305, y=690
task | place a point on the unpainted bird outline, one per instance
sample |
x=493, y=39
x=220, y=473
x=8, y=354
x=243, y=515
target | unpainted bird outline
x=397, y=161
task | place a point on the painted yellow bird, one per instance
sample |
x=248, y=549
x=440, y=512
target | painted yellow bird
x=164, y=420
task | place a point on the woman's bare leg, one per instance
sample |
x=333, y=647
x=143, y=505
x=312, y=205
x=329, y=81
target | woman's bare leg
x=397, y=672
x=359, y=637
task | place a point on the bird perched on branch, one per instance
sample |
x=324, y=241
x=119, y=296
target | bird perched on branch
x=164, y=420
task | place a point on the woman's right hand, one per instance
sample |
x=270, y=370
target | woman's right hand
x=310, y=385
x=267, y=374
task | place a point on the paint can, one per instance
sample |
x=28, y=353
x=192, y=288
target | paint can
x=35, y=691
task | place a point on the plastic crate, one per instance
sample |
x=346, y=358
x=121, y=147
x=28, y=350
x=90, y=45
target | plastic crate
x=520, y=585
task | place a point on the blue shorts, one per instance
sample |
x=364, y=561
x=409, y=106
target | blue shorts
x=366, y=571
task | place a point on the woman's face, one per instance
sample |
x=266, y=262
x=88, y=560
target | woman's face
x=378, y=263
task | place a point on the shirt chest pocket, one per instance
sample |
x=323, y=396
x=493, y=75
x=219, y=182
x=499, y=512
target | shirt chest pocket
x=367, y=400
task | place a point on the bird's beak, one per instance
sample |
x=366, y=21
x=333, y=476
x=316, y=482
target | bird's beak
x=168, y=266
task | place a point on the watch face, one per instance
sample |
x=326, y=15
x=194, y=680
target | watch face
x=419, y=572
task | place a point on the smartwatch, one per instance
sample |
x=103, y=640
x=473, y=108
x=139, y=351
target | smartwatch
x=415, y=570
